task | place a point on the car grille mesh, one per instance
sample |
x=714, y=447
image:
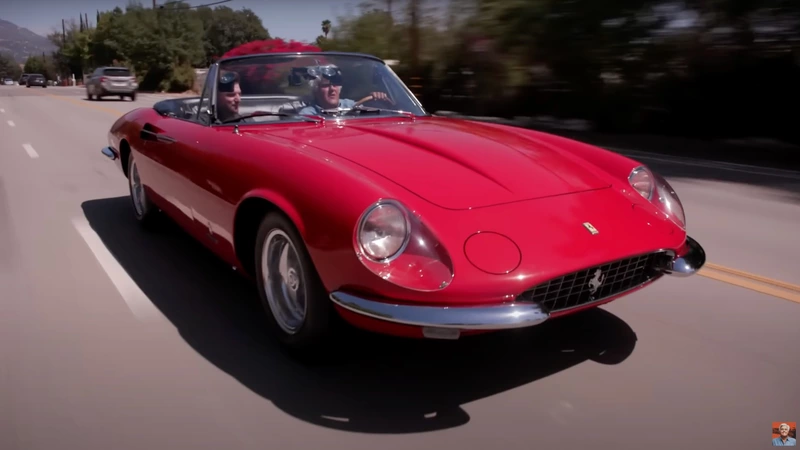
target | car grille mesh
x=595, y=283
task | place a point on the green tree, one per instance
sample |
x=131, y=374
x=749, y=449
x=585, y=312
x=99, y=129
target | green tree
x=224, y=29
x=38, y=64
x=9, y=67
x=162, y=46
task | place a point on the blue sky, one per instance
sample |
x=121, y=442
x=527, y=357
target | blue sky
x=289, y=19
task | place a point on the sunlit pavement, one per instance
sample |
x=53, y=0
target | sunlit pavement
x=115, y=338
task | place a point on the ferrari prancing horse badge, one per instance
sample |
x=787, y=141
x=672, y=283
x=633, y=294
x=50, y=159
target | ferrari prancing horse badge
x=590, y=227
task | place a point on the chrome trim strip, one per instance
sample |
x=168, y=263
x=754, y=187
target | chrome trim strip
x=110, y=153
x=688, y=264
x=495, y=317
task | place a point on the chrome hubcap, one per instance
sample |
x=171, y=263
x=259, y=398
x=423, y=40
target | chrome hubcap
x=137, y=190
x=283, y=281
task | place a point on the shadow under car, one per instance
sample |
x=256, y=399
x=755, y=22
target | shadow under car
x=379, y=384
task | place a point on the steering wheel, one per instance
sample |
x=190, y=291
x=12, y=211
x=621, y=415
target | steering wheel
x=371, y=97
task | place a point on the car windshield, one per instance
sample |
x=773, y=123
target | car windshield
x=319, y=84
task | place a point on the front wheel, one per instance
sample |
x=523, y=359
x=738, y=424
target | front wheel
x=143, y=209
x=294, y=299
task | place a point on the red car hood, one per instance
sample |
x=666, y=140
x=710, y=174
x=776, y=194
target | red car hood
x=453, y=164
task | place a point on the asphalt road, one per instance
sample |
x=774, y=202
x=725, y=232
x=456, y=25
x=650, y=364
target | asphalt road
x=113, y=338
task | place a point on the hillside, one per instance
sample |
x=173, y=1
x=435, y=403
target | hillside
x=22, y=42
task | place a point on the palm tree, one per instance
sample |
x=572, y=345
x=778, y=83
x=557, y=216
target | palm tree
x=326, y=27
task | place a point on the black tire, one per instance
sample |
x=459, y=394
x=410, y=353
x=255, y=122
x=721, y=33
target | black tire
x=318, y=328
x=148, y=217
x=133, y=97
x=88, y=95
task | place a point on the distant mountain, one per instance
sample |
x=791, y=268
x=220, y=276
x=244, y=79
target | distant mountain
x=22, y=42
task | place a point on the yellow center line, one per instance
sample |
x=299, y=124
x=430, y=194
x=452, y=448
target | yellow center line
x=754, y=277
x=758, y=283
x=748, y=283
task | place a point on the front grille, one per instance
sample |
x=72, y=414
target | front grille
x=595, y=283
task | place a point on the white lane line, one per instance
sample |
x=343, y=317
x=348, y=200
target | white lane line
x=732, y=167
x=31, y=152
x=137, y=301
x=11, y=123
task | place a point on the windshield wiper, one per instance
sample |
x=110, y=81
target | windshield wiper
x=267, y=113
x=369, y=109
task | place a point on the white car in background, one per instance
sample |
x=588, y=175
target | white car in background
x=111, y=82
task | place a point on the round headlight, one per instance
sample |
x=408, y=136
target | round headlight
x=669, y=202
x=641, y=180
x=384, y=230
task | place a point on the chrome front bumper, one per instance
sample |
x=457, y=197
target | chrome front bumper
x=690, y=262
x=445, y=322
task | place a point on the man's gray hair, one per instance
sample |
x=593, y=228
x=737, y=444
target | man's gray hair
x=784, y=425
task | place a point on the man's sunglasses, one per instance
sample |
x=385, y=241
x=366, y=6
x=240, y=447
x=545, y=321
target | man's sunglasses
x=227, y=77
x=330, y=73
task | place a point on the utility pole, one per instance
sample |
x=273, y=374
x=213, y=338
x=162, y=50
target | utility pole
x=391, y=29
x=416, y=81
x=414, y=38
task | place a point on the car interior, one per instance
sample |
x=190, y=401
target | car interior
x=186, y=108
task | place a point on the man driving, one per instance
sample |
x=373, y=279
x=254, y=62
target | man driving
x=326, y=85
x=229, y=95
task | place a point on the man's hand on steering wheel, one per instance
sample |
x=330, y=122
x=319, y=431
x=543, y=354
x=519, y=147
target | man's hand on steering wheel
x=375, y=96
x=381, y=96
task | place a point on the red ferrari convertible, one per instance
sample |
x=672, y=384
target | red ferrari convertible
x=321, y=177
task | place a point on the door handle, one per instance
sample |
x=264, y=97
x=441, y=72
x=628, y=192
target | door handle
x=148, y=134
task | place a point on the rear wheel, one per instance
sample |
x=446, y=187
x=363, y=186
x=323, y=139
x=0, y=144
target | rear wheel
x=294, y=299
x=143, y=209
